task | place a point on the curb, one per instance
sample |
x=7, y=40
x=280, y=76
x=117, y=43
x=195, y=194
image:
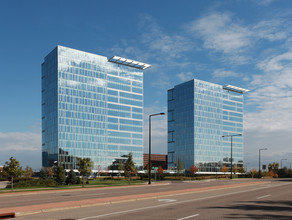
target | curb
x=7, y=215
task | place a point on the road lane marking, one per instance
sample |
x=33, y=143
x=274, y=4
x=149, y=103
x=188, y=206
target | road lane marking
x=191, y=216
x=261, y=197
x=166, y=200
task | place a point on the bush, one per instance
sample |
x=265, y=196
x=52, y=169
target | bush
x=33, y=183
x=71, y=178
x=142, y=176
x=60, y=177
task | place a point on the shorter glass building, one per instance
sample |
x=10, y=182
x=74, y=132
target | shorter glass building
x=92, y=107
x=199, y=114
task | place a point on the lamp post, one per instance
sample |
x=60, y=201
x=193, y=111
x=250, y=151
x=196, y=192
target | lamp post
x=260, y=160
x=281, y=163
x=149, y=162
x=231, y=135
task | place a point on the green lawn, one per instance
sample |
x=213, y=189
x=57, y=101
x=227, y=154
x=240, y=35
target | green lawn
x=92, y=183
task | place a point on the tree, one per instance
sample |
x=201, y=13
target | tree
x=253, y=172
x=160, y=171
x=50, y=172
x=28, y=172
x=193, y=169
x=60, y=176
x=224, y=169
x=12, y=169
x=85, y=165
x=234, y=169
x=274, y=167
x=283, y=173
x=129, y=167
x=44, y=174
x=180, y=165
x=71, y=178
x=241, y=169
x=272, y=174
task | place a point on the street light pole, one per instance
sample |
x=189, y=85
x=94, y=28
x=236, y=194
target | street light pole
x=149, y=161
x=281, y=163
x=231, y=135
x=260, y=160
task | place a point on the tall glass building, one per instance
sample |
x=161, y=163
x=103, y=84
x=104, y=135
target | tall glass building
x=199, y=114
x=92, y=107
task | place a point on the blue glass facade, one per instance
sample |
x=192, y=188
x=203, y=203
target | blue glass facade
x=90, y=108
x=199, y=114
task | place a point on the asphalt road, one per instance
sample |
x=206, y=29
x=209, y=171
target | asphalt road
x=271, y=200
x=36, y=198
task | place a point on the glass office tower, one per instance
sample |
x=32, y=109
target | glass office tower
x=91, y=107
x=199, y=114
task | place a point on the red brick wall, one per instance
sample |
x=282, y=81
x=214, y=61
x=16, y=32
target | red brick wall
x=156, y=160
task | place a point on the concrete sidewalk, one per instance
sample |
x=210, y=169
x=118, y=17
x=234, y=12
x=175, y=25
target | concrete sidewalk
x=48, y=207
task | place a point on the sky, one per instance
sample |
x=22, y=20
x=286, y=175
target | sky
x=245, y=43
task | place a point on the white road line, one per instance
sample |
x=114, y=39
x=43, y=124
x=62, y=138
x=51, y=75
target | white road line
x=261, y=197
x=166, y=200
x=191, y=216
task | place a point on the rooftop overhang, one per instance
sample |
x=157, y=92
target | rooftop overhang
x=128, y=62
x=235, y=89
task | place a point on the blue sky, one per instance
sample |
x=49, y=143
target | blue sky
x=245, y=43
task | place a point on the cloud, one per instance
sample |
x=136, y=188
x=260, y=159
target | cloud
x=276, y=63
x=25, y=158
x=185, y=76
x=28, y=141
x=166, y=44
x=269, y=30
x=24, y=146
x=221, y=34
x=270, y=125
x=272, y=93
x=263, y=2
x=164, y=50
x=221, y=73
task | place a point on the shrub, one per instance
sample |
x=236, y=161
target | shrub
x=33, y=183
x=71, y=178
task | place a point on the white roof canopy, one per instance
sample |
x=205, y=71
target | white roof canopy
x=128, y=62
x=235, y=89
